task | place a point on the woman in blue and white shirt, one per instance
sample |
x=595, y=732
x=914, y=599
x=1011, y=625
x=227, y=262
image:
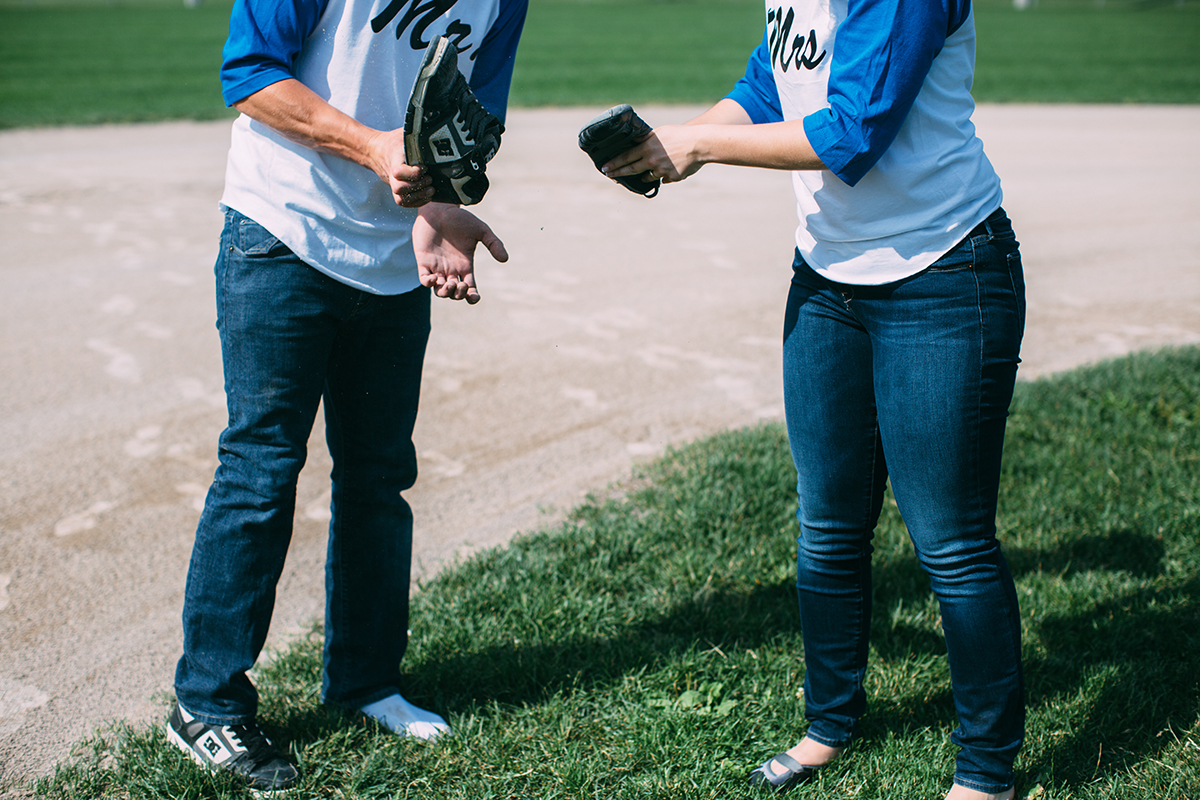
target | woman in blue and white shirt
x=901, y=342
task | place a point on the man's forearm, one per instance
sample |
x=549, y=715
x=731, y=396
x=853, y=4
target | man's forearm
x=298, y=113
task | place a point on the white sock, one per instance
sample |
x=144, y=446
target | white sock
x=403, y=718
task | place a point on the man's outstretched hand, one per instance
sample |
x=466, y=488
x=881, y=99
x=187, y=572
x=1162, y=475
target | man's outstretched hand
x=444, y=240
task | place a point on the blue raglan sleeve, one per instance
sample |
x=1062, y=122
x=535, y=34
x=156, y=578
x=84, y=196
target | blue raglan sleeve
x=755, y=91
x=492, y=74
x=264, y=38
x=884, y=51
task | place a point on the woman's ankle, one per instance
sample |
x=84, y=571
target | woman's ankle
x=958, y=792
x=812, y=753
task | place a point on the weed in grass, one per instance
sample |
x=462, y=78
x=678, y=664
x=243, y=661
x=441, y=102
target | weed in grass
x=648, y=647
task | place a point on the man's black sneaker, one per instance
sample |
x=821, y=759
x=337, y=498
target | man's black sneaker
x=242, y=749
x=448, y=130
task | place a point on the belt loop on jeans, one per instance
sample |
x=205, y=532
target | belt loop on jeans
x=985, y=228
x=979, y=230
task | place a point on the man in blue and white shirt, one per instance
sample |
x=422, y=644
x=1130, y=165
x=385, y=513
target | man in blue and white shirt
x=901, y=342
x=329, y=254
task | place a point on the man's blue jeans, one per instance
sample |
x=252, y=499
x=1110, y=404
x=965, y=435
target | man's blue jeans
x=290, y=338
x=910, y=381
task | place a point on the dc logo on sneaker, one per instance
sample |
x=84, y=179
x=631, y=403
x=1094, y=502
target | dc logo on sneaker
x=213, y=747
x=443, y=145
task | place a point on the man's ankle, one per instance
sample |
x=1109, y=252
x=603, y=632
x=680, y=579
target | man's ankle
x=403, y=718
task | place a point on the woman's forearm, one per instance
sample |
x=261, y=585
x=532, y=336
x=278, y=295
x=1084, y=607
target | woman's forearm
x=772, y=145
x=725, y=112
x=724, y=134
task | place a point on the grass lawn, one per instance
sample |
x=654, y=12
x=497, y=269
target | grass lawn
x=134, y=60
x=85, y=63
x=648, y=647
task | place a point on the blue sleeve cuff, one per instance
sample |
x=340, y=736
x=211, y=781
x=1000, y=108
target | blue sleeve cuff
x=756, y=91
x=841, y=145
x=264, y=38
x=260, y=79
x=491, y=77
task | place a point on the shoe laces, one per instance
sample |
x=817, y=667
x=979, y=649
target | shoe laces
x=476, y=118
x=258, y=747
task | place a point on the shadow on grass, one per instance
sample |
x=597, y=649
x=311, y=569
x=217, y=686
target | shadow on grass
x=1111, y=619
x=1138, y=554
x=1107, y=679
x=1108, y=683
x=522, y=674
x=1133, y=657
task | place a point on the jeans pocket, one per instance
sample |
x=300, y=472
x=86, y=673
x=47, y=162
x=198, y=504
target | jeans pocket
x=251, y=239
x=960, y=258
x=1016, y=274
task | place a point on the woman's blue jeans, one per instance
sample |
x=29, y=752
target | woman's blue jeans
x=290, y=338
x=910, y=381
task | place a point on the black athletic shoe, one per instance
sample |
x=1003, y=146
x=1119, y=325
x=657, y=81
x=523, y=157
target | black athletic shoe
x=448, y=130
x=242, y=749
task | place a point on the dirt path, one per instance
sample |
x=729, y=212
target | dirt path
x=620, y=326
